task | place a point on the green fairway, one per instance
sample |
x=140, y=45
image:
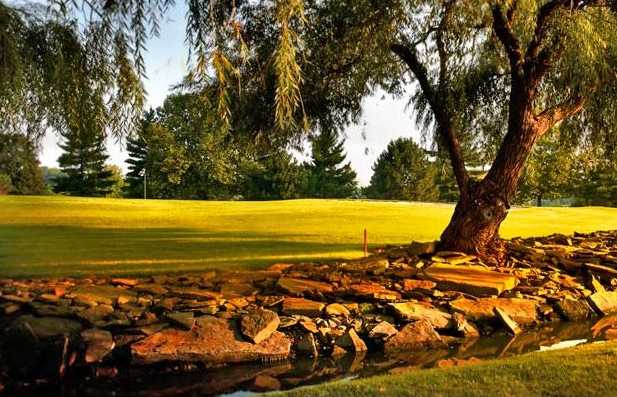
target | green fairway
x=580, y=371
x=52, y=236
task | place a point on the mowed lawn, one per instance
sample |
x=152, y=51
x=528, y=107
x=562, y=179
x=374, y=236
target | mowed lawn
x=58, y=236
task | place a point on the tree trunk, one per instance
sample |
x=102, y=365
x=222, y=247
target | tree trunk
x=539, y=201
x=474, y=226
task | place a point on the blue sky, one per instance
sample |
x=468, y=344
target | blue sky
x=383, y=118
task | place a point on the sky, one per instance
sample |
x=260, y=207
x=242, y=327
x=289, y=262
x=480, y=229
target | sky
x=383, y=119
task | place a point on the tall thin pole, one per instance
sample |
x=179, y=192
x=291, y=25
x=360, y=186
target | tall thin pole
x=365, y=244
x=145, y=180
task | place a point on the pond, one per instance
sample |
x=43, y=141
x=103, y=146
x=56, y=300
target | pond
x=246, y=380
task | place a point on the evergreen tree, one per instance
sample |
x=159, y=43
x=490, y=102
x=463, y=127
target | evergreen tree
x=276, y=176
x=19, y=163
x=403, y=172
x=329, y=176
x=138, y=150
x=83, y=165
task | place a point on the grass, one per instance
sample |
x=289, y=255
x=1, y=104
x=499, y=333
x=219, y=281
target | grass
x=581, y=371
x=57, y=236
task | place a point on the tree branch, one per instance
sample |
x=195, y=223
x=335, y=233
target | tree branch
x=503, y=30
x=551, y=116
x=442, y=116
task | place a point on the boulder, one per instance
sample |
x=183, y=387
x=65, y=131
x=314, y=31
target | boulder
x=373, y=291
x=298, y=286
x=474, y=280
x=604, y=302
x=336, y=309
x=415, y=336
x=212, y=341
x=464, y=327
x=259, y=325
x=102, y=294
x=523, y=311
x=184, y=320
x=99, y=344
x=413, y=311
x=306, y=345
x=505, y=318
x=302, y=306
x=351, y=341
x=382, y=331
x=412, y=284
x=34, y=347
x=572, y=310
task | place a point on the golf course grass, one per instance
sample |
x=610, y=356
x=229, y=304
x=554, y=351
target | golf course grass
x=581, y=371
x=61, y=236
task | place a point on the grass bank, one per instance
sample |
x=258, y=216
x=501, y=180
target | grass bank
x=55, y=236
x=581, y=371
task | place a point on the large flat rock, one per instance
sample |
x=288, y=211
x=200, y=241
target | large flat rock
x=212, y=341
x=413, y=311
x=604, y=302
x=523, y=311
x=415, y=336
x=474, y=280
x=298, y=286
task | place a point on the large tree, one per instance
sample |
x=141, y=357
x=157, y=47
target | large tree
x=404, y=172
x=329, y=175
x=491, y=74
x=84, y=172
x=19, y=163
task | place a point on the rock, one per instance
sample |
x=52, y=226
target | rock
x=338, y=351
x=413, y=337
x=127, y=282
x=336, y=309
x=374, y=291
x=413, y=311
x=474, y=280
x=372, y=265
x=309, y=325
x=259, y=325
x=39, y=347
x=263, y=383
x=99, y=343
x=604, y=302
x=153, y=288
x=298, y=286
x=211, y=341
x=351, y=341
x=102, y=294
x=235, y=289
x=596, y=286
x=194, y=293
x=302, y=306
x=422, y=248
x=411, y=284
x=279, y=267
x=43, y=327
x=507, y=321
x=306, y=346
x=572, y=310
x=96, y=314
x=184, y=320
x=382, y=331
x=463, y=326
x=523, y=311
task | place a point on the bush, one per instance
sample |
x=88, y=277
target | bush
x=5, y=184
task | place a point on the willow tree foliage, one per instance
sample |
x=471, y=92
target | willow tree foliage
x=488, y=75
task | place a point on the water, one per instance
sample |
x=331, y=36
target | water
x=245, y=380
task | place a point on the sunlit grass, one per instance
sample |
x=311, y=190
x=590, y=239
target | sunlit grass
x=81, y=236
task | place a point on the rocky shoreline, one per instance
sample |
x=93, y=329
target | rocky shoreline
x=401, y=299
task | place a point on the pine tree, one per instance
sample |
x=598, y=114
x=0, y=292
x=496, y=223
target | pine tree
x=83, y=165
x=404, y=172
x=138, y=151
x=329, y=176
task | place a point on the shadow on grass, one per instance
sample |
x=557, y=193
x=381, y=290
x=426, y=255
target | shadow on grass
x=28, y=251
